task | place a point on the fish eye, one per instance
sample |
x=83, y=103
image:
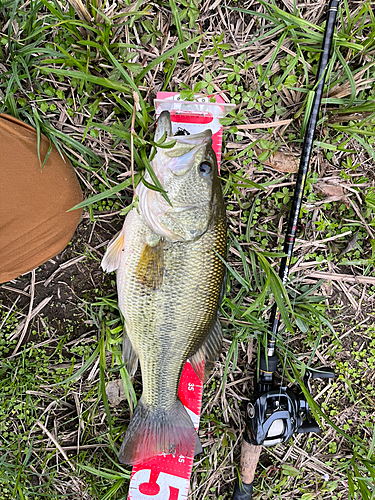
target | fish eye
x=205, y=168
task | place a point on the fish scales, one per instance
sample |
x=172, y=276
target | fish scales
x=169, y=281
x=175, y=318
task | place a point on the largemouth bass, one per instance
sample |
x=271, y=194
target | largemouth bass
x=169, y=283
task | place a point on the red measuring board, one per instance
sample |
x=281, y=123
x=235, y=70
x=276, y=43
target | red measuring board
x=167, y=476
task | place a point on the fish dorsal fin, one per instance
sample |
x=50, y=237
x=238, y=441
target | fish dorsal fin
x=129, y=356
x=204, y=359
x=111, y=259
x=151, y=265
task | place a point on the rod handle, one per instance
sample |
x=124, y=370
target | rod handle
x=243, y=489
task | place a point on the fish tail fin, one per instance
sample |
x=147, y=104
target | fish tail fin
x=154, y=431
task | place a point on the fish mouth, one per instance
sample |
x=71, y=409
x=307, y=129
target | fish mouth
x=193, y=138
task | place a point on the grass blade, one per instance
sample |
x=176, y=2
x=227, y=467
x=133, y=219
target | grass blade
x=171, y=52
x=85, y=77
x=180, y=34
x=108, y=193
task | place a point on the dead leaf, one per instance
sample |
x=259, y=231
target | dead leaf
x=351, y=245
x=115, y=392
x=329, y=189
x=331, y=192
x=282, y=162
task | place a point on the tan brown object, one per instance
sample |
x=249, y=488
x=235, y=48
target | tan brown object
x=34, y=223
x=249, y=461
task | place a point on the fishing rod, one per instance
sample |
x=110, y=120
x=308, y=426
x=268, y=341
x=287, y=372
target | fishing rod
x=278, y=412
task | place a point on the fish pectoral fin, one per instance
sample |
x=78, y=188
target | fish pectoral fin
x=129, y=356
x=151, y=265
x=112, y=257
x=204, y=359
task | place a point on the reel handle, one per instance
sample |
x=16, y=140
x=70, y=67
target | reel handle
x=243, y=489
x=308, y=427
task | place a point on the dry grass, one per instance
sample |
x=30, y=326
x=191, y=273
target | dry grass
x=51, y=319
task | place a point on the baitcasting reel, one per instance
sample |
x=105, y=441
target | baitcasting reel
x=278, y=413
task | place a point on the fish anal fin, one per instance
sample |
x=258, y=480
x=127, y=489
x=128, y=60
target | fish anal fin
x=151, y=266
x=197, y=361
x=129, y=356
x=204, y=359
x=112, y=257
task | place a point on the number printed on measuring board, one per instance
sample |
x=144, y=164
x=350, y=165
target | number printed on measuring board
x=166, y=486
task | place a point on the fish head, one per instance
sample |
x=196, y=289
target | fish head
x=188, y=174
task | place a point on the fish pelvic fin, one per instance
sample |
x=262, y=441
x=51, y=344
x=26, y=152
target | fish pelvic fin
x=204, y=359
x=151, y=265
x=112, y=257
x=129, y=356
x=154, y=431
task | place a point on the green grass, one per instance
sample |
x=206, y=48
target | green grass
x=84, y=84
